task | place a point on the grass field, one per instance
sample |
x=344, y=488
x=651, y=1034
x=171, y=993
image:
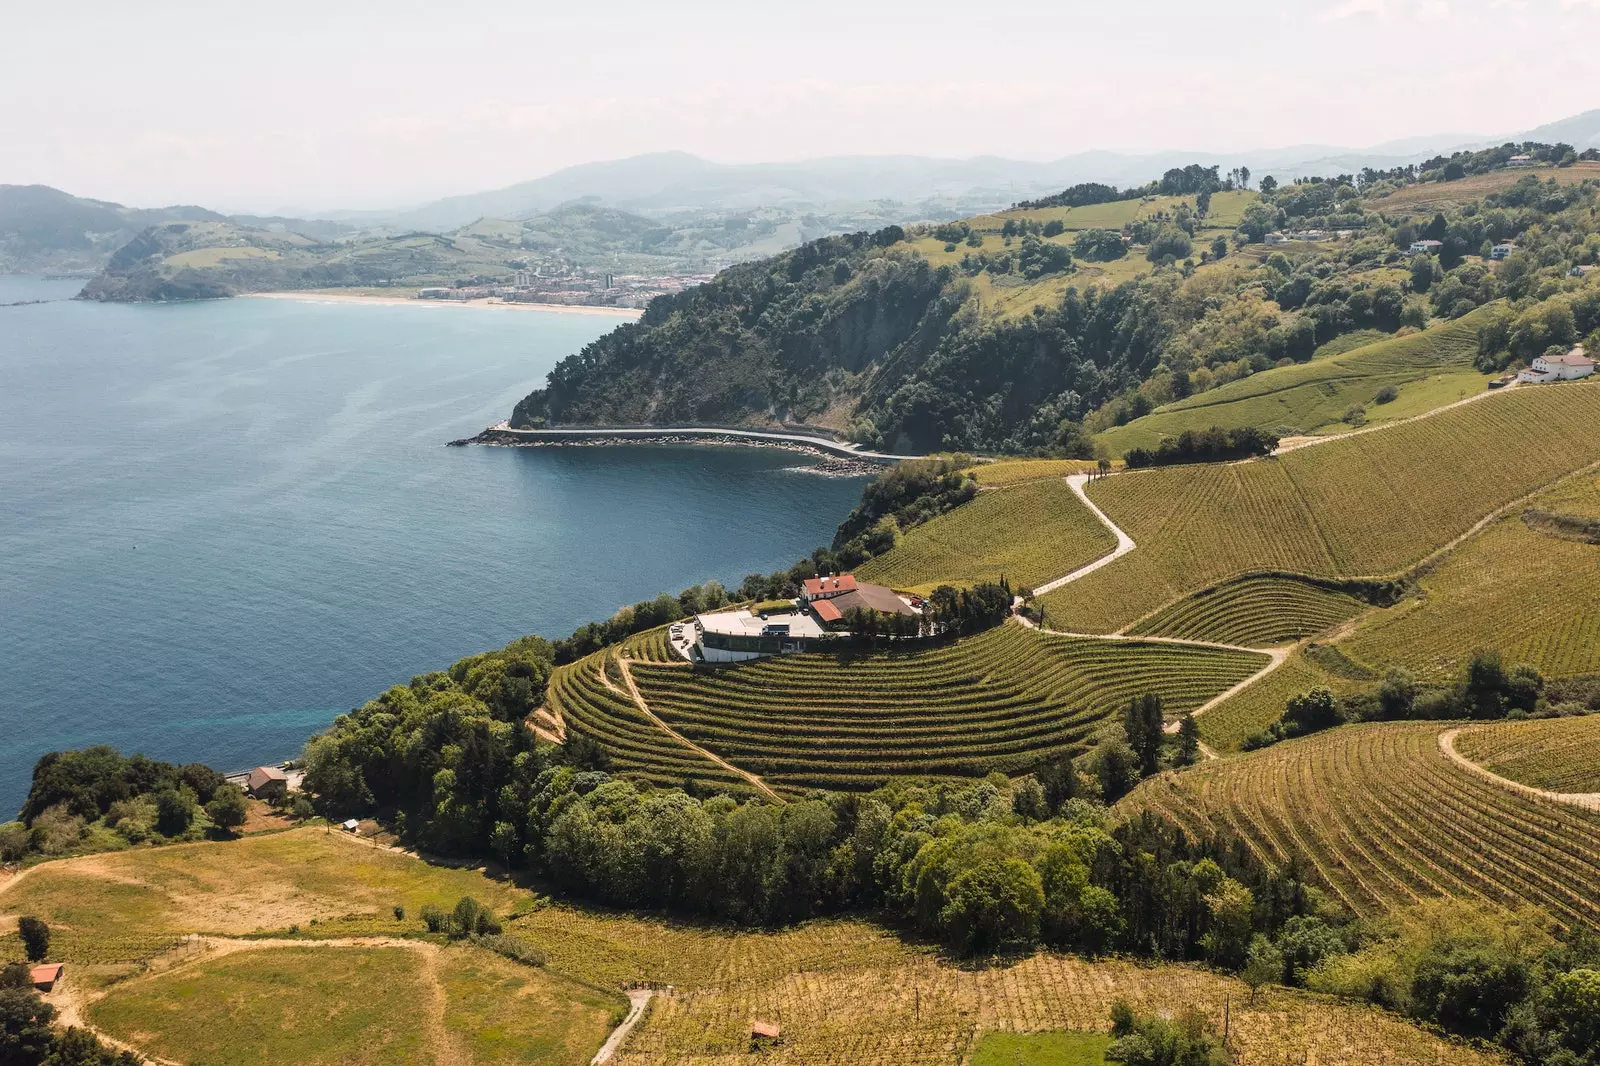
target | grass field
x=1040, y=1049
x=1365, y=505
x=1013, y=471
x=1261, y=611
x=128, y=905
x=1226, y=725
x=1535, y=597
x=844, y=991
x=1005, y=700
x=1555, y=754
x=304, y=1005
x=1430, y=369
x=1028, y=533
x=1417, y=199
x=1385, y=819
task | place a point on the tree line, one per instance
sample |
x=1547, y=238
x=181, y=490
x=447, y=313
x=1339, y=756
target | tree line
x=1216, y=444
x=1484, y=689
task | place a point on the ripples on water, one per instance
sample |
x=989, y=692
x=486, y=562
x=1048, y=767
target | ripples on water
x=223, y=523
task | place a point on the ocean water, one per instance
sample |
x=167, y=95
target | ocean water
x=223, y=523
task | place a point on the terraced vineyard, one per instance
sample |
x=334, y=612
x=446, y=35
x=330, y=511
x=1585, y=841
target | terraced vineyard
x=1245, y=713
x=1005, y=700
x=1533, y=596
x=1013, y=471
x=1260, y=611
x=1555, y=754
x=593, y=700
x=1028, y=533
x=1385, y=818
x=1313, y=395
x=1365, y=505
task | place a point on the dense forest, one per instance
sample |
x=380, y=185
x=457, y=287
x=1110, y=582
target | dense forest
x=862, y=334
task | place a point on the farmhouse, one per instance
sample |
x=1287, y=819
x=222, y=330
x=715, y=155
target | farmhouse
x=734, y=636
x=1425, y=247
x=1275, y=238
x=267, y=782
x=44, y=977
x=737, y=635
x=1569, y=367
x=824, y=588
x=1520, y=161
x=1502, y=250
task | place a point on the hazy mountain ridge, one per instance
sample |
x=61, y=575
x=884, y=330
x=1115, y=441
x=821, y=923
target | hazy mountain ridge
x=666, y=181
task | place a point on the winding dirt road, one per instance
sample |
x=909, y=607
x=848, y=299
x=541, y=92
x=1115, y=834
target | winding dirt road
x=1447, y=744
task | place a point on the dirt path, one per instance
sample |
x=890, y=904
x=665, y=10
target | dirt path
x=639, y=998
x=644, y=708
x=1279, y=656
x=1296, y=443
x=1125, y=543
x=1447, y=744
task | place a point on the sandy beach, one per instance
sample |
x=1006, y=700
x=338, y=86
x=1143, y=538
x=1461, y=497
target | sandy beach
x=487, y=303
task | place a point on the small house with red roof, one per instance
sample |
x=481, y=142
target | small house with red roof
x=45, y=975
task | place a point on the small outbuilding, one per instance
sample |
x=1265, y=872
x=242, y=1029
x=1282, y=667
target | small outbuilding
x=763, y=1033
x=45, y=975
x=268, y=783
x=350, y=825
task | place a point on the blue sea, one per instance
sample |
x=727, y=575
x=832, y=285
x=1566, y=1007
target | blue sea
x=223, y=523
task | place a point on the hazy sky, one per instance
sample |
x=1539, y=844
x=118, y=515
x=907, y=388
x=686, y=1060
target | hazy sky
x=353, y=104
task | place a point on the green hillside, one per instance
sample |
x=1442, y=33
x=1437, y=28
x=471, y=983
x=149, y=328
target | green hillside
x=1518, y=586
x=1420, y=372
x=1365, y=505
x=1007, y=700
x=1099, y=320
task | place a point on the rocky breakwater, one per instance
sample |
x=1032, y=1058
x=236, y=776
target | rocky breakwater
x=831, y=461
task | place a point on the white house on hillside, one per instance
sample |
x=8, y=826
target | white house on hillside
x=1567, y=367
x=1425, y=247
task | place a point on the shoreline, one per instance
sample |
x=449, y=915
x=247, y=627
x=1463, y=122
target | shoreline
x=485, y=303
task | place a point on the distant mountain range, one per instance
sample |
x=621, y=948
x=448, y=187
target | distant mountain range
x=665, y=182
x=47, y=230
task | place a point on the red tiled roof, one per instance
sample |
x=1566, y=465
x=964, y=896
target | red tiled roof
x=44, y=975
x=770, y=1030
x=825, y=586
x=872, y=598
x=826, y=611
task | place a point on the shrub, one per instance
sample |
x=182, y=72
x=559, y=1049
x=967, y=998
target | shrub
x=512, y=947
x=434, y=918
x=174, y=811
x=227, y=807
x=1387, y=394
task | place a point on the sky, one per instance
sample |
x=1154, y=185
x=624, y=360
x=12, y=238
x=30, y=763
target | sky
x=350, y=104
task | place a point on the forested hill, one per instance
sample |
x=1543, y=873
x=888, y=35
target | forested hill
x=863, y=335
x=839, y=326
x=1041, y=328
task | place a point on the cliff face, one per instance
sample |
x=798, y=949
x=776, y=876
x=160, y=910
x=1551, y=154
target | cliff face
x=858, y=334
x=791, y=339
